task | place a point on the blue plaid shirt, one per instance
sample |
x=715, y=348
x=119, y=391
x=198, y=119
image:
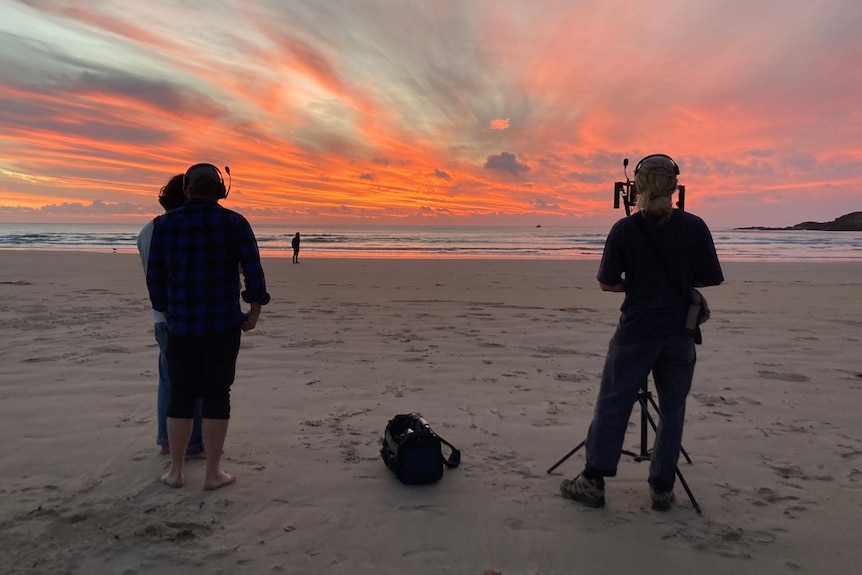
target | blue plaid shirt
x=196, y=256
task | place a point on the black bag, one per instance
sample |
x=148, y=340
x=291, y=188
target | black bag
x=414, y=452
x=698, y=313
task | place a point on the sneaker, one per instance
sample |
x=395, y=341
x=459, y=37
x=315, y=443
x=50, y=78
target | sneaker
x=590, y=492
x=661, y=500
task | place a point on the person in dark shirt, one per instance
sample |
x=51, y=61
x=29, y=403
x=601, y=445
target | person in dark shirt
x=294, y=243
x=196, y=255
x=650, y=336
x=171, y=196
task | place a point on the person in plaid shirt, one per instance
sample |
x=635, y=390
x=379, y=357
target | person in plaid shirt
x=197, y=254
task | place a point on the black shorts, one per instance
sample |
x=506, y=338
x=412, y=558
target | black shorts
x=202, y=367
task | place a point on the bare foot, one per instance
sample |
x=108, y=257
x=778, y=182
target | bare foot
x=222, y=480
x=165, y=450
x=198, y=455
x=172, y=481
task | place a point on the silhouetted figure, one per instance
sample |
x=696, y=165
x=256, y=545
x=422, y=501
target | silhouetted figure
x=171, y=196
x=294, y=243
x=651, y=335
x=193, y=276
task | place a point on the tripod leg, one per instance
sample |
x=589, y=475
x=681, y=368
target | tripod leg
x=644, y=416
x=688, y=491
x=566, y=456
x=684, y=454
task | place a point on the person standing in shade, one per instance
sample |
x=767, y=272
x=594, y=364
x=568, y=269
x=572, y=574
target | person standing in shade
x=193, y=276
x=171, y=196
x=654, y=256
x=294, y=243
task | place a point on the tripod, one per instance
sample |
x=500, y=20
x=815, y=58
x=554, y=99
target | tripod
x=645, y=400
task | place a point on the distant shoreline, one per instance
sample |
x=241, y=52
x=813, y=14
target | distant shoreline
x=847, y=223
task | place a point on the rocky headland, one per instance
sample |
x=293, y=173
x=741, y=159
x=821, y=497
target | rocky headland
x=851, y=222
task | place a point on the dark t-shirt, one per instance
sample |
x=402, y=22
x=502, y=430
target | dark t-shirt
x=653, y=306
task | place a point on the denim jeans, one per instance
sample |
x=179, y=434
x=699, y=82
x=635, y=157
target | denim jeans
x=671, y=360
x=196, y=444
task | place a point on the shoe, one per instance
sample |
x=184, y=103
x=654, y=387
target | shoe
x=661, y=500
x=590, y=492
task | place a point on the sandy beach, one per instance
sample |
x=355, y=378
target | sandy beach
x=502, y=357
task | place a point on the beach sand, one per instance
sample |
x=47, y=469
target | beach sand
x=503, y=358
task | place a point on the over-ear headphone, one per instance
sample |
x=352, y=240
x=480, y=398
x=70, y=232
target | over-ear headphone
x=665, y=156
x=206, y=171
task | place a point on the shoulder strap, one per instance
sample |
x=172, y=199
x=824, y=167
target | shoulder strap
x=639, y=219
x=454, y=458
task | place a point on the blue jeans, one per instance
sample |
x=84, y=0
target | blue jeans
x=671, y=360
x=196, y=443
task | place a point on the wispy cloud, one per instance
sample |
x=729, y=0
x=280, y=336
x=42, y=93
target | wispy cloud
x=379, y=110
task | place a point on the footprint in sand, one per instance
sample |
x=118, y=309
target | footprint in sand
x=795, y=377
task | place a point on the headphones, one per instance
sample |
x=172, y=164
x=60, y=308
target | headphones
x=207, y=171
x=665, y=156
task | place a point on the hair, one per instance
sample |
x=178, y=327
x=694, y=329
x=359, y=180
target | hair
x=172, y=196
x=206, y=187
x=655, y=189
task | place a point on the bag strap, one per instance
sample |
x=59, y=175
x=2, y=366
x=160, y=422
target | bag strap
x=454, y=458
x=664, y=266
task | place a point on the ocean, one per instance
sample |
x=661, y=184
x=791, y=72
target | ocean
x=547, y=242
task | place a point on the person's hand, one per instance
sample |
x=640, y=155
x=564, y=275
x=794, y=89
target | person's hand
x=251, y=319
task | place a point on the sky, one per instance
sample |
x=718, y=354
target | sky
x=447, y=112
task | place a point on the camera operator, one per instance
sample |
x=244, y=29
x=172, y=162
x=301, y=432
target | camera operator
x=645, y=255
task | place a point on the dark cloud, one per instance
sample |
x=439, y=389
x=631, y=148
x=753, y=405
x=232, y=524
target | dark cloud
x=59, y=81
x=588, y=177
x=96, y=207
x=506, y=162
x=66, y=73
x=542, y=204
x=761, y=153
x=441, y=174
x=158, y=93
x=369, y=177
x=427, y=211
x=802, y=162
x=42, y=117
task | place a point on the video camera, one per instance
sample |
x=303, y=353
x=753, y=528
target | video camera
x=627, y=191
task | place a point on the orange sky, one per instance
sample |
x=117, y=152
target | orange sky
x=446, y=112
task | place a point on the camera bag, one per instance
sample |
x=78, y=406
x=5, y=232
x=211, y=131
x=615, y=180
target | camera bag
x=413, y=452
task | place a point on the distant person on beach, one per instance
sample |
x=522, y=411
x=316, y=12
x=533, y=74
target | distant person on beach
x=197, y=254
x=294, y=243
x=650, y=337
x=171, y=196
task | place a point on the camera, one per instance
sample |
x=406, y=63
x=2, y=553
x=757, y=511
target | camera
x=626, y=193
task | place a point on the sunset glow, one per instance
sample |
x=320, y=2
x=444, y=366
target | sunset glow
x=446, y=112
